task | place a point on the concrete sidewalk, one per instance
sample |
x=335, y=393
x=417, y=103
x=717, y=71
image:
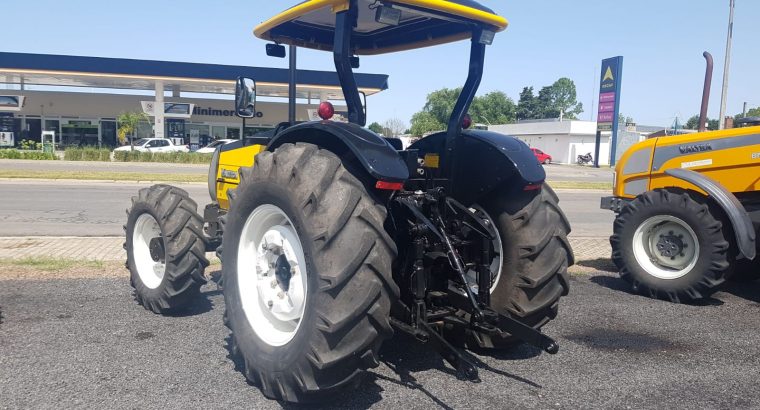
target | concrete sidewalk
x=110, y=248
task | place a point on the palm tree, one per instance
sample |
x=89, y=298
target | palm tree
x=128, y=123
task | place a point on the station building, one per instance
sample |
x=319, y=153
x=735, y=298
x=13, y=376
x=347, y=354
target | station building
x=80, y=98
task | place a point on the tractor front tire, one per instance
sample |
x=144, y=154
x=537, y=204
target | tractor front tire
x=307, y=274
x=166, y=249
x=671, y=244
x=535, y=257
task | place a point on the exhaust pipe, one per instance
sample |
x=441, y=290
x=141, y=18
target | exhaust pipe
x=706, y=92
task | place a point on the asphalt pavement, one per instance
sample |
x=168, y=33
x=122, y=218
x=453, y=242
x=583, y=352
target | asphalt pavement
x=85, y=208
x=84, y=343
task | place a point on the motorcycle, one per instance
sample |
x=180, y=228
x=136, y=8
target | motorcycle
x=585, y=159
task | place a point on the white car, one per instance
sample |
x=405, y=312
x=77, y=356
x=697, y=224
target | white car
x=154, y=145
x=210, y=148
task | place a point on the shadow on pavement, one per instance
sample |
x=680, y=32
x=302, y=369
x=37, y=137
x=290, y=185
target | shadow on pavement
x=600, y=264
x=745, y=290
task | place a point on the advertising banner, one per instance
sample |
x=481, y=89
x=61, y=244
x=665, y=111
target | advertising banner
x=609, y=100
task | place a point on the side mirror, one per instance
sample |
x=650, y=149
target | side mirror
x=276, y=50
x=245, y=98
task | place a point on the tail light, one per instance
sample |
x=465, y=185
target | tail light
x=389, y=186
x=326, y=110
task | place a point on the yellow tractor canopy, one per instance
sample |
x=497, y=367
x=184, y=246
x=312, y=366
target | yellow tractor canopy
x=311, y=24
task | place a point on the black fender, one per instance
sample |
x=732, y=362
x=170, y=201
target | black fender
x=374, y=153
x=487, y=160
x=737, y=215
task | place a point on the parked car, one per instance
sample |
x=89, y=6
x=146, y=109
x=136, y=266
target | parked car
x=541, y=156
x=210, y=148
x=154, y=145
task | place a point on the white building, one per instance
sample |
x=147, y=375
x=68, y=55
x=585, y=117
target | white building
x=565, y=140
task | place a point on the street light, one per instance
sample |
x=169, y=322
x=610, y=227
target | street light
x=724, y=94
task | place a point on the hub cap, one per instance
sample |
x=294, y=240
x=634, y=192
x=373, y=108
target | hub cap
x=497, y=262
x=666, y=247
x=271, y=271
x=148, y=251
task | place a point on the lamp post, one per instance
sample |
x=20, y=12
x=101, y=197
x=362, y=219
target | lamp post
x=724, y=94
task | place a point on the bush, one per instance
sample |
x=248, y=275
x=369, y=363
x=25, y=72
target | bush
x=30, y=145
x=35, y=155
x=87, y=154
x=165, y=157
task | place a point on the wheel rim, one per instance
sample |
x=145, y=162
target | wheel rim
x=666, y=247
x=149, y=261
x=497, y=262
x=271, y=275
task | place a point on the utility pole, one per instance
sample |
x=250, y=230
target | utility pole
x=724, y=94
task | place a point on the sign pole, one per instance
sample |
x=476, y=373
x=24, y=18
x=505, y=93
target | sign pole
x=597, y=147
x=609, y=104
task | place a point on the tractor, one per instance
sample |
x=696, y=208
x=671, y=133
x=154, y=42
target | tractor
x=332, y=237
x=688, y=212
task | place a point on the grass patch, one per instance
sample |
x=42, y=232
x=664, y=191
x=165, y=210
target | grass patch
x=108, y=176
x=607, y=186
x=162, y=157
x=87, y=154
x=51, y=264
x=33, y=155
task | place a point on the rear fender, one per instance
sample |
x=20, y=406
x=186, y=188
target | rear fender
x=488, y=160
x=737, y=215
x=376, y=155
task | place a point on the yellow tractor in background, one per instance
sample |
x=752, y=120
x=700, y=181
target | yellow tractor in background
x=688, y=212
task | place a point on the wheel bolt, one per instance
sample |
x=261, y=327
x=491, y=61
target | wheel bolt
x=274, y=284
x=270, y=304
x=280, y=295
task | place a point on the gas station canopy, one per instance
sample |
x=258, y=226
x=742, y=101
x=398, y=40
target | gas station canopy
x=118, y=73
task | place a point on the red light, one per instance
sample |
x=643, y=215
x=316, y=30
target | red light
x=532, y=187
x=389, y=186
x=467, y=121
x=326, y=110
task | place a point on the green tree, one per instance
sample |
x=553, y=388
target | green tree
x=128, y=123
x=424, y=122
x=752, y=112
x=527, y=106
x=493, y=108
x=376, y=128
x=693, y=123
x=441, y=103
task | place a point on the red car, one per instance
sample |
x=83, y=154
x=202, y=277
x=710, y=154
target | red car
x=541, y=156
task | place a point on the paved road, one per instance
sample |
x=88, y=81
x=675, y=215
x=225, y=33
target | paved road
x=31, y=208
x=554, y=172
x=83, y=343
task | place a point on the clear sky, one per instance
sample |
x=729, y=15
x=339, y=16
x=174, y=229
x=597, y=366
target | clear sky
x=662, y=42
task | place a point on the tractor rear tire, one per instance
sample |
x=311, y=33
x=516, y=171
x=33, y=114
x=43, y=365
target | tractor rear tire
x=166, y=249
x=339, y=257
x=535, y=257
x=672, y=245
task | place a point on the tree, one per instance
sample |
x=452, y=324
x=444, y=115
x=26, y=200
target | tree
x=393, y=127
x=527, y=106
x=424, y=122
x=623, y=120
x=128, y=123
x=376, y=128
x=752, y=112
x=693, y=123
x=493, y=108
x=553, y=101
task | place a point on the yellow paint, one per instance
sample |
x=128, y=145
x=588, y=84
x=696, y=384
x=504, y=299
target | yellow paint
x=263, y=31
x=737, y=169
x=608, y=75
x=233, y=160
x=432, y=161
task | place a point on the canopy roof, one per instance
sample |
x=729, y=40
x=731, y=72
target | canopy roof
x=311, y=24
x=119, y=73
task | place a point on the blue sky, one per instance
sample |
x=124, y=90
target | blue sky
x=662, y=42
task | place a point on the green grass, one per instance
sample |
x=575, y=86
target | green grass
x=162, y=157
x=607, y=186
x=51, y=264
x=34, y=155
x=107, y=176
x=87, y=154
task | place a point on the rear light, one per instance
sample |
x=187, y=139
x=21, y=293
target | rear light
x=467, y=121
x=326, y=110
x=389, y=186
x=532, y=187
